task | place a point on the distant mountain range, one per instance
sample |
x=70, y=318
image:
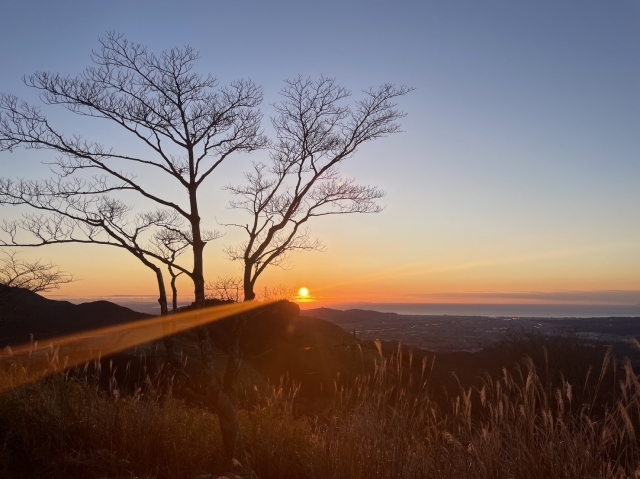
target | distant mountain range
x=26, y=313
x=46, y=318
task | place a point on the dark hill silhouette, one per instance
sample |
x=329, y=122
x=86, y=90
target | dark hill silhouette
x=28, y=313
x=279, y=341
x=310, y=351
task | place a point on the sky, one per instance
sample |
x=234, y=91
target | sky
x=515, y=179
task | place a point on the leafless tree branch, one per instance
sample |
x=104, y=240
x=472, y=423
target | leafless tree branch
x=186, y=121
x=315, y=132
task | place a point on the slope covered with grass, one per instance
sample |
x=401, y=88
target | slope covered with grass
x=379, y=426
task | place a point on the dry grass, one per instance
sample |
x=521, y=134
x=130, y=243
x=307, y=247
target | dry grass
x=514, y=426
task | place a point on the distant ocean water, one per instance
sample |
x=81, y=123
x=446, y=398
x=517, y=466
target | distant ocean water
x=507, y=310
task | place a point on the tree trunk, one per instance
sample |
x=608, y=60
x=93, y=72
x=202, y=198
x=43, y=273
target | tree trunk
x=198, y=274
x=167, y=330
x=217, y=401
x=164, y=310
x=198, y=248
x=247, y=284
x=221, y=403
x=232, y=438
x=174, y=292
x=220, y=398
x=162, y=299
x=233, y=358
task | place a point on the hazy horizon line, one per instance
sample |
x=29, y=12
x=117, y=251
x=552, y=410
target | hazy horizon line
x=612, y=297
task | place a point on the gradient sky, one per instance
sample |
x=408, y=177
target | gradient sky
x=516, y=179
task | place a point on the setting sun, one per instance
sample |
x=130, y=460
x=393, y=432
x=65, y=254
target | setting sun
x=460, y=193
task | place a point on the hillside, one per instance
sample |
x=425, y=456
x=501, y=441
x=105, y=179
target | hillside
x=312, y=351
x=332, y=409
x=275, y=342
x=28, y=313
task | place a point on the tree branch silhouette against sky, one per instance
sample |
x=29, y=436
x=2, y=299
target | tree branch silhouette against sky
x=516, y=174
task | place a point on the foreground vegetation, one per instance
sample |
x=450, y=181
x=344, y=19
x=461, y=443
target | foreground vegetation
x=383, y=425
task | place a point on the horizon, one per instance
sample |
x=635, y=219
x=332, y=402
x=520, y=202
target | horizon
x=148, y=304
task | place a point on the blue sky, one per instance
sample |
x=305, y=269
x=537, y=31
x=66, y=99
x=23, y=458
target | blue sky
x=518, y=169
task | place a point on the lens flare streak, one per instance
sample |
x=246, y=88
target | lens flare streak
x=69, y=351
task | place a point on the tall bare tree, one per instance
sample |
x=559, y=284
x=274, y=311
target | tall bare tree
x=188, y=124
x=315, y=132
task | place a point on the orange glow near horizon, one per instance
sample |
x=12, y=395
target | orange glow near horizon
x=355, y=273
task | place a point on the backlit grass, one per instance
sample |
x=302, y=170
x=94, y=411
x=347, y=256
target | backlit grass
x=513, y=426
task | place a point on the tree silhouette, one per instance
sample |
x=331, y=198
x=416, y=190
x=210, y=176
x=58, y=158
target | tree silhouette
x=225, y=288
x=170, y=242
x=188, y=124
x=315, y=133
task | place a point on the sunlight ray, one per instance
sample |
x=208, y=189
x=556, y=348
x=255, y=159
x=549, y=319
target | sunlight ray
x=55, y=355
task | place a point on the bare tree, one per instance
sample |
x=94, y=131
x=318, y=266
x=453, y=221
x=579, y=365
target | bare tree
x=315, y=133
x=35, y=276
x=17, y=276
x=279, y=292
x=188, y=124
x=90, y=219
x=225, y=288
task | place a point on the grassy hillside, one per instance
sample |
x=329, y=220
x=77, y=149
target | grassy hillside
x=317, y=403
x=378, y=427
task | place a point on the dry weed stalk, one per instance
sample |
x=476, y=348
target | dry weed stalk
x=384, y=425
